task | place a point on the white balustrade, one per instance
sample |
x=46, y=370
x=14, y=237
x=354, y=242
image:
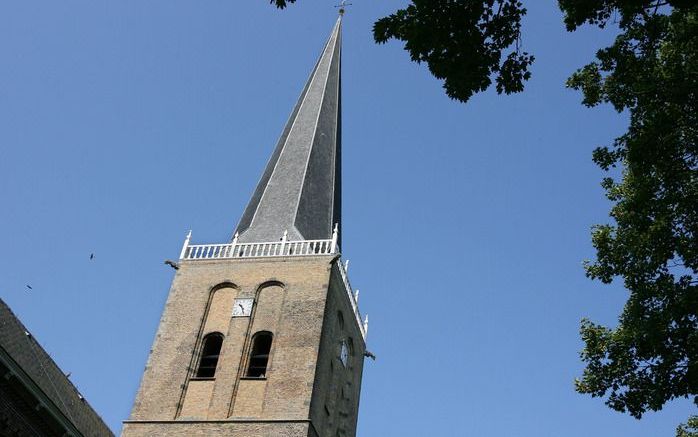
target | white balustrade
x=353, y=299
x=258, y=250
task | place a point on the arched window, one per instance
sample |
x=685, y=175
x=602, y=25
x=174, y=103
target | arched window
x=259, y=356
x=210, y=352
x=346, y=351
x=350, y=344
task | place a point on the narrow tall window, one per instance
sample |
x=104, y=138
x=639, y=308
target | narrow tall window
x=210, y=352
x=259, y=357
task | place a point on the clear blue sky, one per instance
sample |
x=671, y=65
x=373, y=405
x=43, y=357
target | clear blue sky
x=125, y=123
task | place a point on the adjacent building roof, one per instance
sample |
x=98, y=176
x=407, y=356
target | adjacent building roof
x=35, y=387
x=299, y=191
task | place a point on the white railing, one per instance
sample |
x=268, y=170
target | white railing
x=353, y=298
x=259, y=250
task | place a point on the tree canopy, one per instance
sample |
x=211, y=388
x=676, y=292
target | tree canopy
x=690, y=429
x=651, y=71
x=463, y=43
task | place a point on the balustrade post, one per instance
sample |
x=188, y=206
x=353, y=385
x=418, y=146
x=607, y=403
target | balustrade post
x=283, y=242
x=185, y=245
x=233, y=244
x=356, y=297
x=335, y=234
x=366, y=326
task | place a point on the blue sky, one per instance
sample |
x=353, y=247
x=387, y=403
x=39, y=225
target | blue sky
x=125, y=123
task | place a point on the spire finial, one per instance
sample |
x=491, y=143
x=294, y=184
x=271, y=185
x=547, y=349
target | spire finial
x=342, y=6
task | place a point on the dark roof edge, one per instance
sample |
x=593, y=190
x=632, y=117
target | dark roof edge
x=33, y=388
x=56, y=372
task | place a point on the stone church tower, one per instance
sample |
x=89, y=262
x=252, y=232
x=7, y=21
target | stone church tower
x=261, y=336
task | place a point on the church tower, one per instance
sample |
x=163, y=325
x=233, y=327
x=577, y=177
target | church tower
x=262, y=336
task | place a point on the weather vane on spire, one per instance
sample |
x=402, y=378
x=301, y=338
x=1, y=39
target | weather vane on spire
x=342, y=6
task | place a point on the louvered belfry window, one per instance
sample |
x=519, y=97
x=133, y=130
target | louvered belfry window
x=209, y=355
x=259, y=356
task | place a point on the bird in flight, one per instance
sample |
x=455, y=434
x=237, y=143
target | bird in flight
x=92, y=256
x=29, y=287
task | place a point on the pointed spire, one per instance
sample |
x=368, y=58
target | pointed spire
x=300, y=188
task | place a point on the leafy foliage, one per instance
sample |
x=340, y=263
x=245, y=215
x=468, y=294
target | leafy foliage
x=689, y=429
x=651, y=71
x=281, y=4
x=626, y=12
x=462, y=41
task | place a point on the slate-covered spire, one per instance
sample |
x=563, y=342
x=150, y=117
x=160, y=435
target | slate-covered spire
x=299, y=191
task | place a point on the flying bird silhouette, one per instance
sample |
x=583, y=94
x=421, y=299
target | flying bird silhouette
x=92, y=256
x=29, y=287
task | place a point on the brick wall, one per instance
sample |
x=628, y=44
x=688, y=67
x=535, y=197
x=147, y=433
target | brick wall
x=297, y=300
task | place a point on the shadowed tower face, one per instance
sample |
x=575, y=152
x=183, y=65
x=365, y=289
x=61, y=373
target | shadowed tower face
x=262, y=336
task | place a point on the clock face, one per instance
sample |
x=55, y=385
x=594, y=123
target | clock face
x=344, y=353
x=242, y=307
